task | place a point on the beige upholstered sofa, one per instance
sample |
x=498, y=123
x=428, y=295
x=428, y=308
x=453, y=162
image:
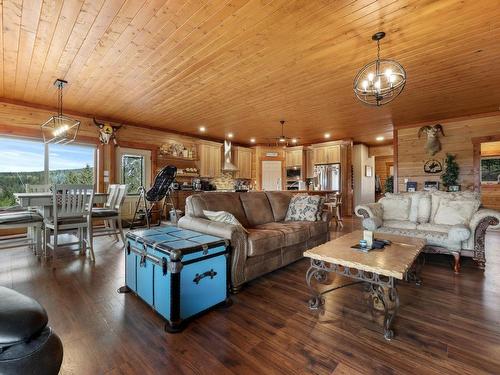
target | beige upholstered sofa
x=268, y=243
x=451, y=223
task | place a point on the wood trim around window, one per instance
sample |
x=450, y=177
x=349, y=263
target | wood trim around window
x=476, y=158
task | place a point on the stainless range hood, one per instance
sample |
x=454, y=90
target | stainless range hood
x=228, y=164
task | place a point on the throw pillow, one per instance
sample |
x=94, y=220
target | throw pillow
x=396, y=208
x=303, y=208
x=321, y=203
x=223, y=217
x=424, y=209
x=452, y=212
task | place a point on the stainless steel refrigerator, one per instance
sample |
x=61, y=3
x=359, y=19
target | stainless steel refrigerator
x=327, y=177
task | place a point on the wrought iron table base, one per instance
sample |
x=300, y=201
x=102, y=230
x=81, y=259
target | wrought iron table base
x=383, y=294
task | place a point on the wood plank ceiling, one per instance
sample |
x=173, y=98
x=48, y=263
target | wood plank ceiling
x=242, y=65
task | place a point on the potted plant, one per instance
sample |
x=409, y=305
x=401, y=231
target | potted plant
x=450, y=174
x=389, y=185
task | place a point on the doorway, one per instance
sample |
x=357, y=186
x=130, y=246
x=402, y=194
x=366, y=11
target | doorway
x=272, y=173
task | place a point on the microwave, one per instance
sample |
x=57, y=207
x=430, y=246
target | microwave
x=293, y=173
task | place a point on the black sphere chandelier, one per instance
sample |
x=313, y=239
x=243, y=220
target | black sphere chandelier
x=380, y=81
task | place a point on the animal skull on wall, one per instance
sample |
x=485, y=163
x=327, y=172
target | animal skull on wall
x=107, y=132
x=433, y=145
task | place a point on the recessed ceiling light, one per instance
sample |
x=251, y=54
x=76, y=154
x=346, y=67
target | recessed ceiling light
x=379, y=138
x=202, y=128
x=294, y=140
x=327, y=135
x=252, y=140
x=230, y=135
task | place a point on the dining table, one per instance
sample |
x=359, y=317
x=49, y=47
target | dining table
x=43, y=201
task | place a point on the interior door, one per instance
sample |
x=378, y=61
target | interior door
x=271, y=175
x=134, y=169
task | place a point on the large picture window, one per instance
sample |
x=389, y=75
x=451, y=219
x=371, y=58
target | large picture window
x=490, y=170
x=22, y=162
x=28, y=162
x=71, y=164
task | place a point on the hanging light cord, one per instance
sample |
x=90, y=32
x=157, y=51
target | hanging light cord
x=60, y=98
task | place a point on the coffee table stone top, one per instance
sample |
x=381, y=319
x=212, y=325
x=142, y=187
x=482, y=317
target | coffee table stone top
x=393, y=260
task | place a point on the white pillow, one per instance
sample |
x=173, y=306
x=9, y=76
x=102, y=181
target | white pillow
x=303, y=208
x=223, y=217
x=396, y=208
x=424, y=209
x=452, y=212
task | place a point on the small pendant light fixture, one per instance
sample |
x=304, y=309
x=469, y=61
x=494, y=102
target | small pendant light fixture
x=59, y=128
x=283, y=140
x=380, y=81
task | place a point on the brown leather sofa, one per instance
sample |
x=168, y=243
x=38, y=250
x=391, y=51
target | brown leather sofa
x=270, y=243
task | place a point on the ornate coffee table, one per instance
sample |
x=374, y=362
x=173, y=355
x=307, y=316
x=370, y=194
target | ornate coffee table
x=379, y=269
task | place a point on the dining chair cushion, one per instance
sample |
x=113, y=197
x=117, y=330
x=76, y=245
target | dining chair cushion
x=19, y=217
x=104, y=212
x=67, y=220
x=15, y=208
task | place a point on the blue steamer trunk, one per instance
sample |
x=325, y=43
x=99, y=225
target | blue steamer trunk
x=178, y=272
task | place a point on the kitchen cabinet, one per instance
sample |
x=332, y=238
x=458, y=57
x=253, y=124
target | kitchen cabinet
x=210, y=159
x=243, y=160
x=294, y=157
x=326, y=154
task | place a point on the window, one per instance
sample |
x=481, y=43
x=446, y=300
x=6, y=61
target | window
x=27, y=162
x=490, y=170
x=71, y=164
x=132, y=172
x=21, y=163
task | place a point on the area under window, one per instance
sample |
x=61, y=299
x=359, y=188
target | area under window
x=132, y=172
x=21, y=163
x=29, y=162
x=71, y=164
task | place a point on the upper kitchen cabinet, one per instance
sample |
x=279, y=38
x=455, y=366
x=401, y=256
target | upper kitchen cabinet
x=294, y=156
x=243, y=160
x=210, y=159
x=326, y=154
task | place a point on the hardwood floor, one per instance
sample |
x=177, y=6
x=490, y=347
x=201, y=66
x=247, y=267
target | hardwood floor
x=449, y=325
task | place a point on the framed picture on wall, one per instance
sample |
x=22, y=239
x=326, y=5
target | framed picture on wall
x=368, y=171
x=431, y=185
x=411, y=186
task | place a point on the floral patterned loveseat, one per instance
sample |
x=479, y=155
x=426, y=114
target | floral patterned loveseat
x=451, y=223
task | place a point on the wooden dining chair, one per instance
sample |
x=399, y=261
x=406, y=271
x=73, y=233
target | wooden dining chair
x=32, y=221
x=334, y=203
x=111, y=213
x=35, y=188
x=72, y=209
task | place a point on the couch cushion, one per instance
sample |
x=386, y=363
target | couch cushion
x=399, y=224
x=214, y=201
x=223, y=217
x=451, y=212
x=396, y=207
x=415, y=197
x=424, y=209
x=279, y=201
x=437, y=195
x=262, y=241
x=294, y=232
x=316, y=228
x=432, y=238
x=303, y=208
x=454, y=232
x=257, y=208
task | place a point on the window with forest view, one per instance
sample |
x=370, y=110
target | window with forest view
x=133, y=172
x=22, y=162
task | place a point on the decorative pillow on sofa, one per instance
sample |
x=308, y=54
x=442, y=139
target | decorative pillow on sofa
x=223, y=217
x=437, y=195
x=396, y=207
x=452, y=212
x=424, y=209
x=321, y=203
x=303, y=208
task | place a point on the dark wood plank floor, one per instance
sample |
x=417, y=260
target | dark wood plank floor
x=450, y=325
